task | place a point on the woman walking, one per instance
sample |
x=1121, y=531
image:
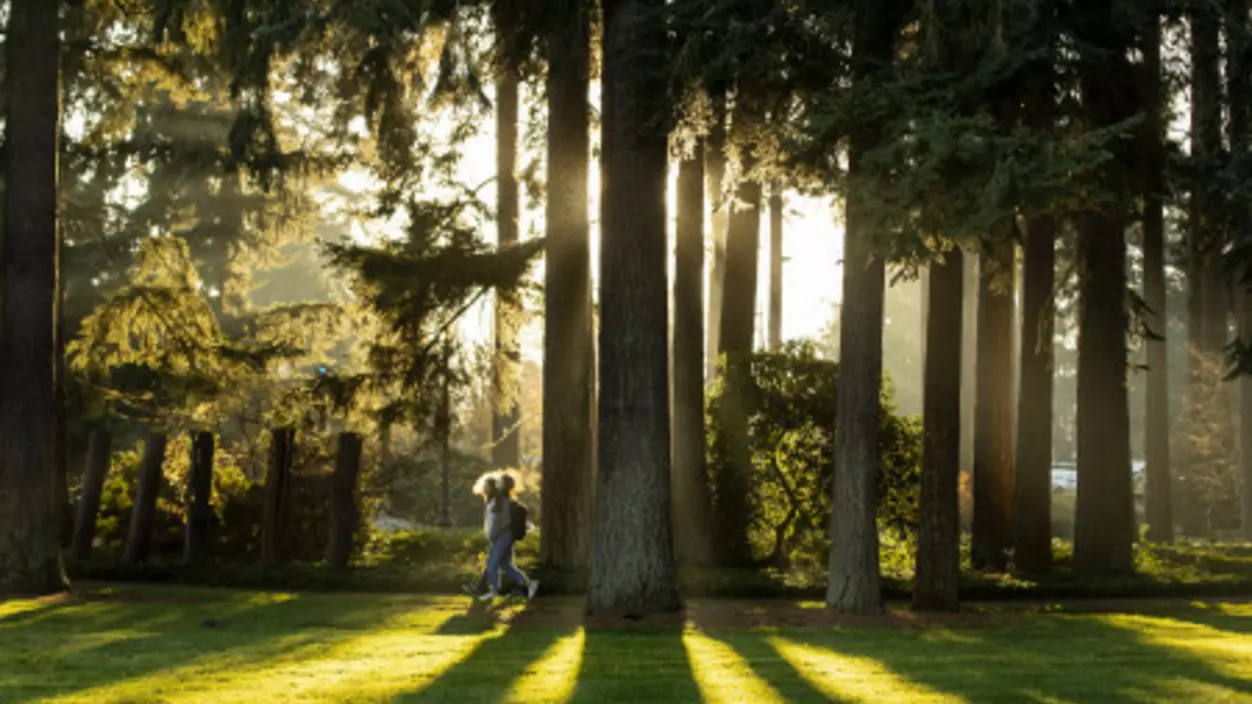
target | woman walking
x=498, y=518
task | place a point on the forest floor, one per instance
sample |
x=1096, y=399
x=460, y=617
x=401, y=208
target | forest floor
x=163, y=644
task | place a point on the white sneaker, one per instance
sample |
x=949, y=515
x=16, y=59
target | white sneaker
x=531, y=588
x=489, y=596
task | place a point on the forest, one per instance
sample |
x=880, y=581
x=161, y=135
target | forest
x=279, y=279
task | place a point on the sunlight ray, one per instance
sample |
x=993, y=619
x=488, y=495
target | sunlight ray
x=554, y=675
x=848, y=678
x=1224, y=651
x=722, y=674
x=9, y=609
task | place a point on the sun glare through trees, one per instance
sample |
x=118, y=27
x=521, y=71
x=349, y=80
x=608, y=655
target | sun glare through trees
x=633, y=350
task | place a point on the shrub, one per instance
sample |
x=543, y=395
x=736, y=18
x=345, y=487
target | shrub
x=790, y=404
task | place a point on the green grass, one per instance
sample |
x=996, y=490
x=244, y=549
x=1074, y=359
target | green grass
x=150, y=644
x=438, y=561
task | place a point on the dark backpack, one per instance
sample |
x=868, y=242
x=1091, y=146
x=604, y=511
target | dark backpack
x=518, y=516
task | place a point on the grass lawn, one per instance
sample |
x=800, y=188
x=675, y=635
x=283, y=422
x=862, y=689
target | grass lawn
x=148, y=644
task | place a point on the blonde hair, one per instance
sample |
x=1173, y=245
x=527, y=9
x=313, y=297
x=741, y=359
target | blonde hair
x=496, y=479
x=481, y=484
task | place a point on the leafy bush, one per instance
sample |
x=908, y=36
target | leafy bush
x=791, y=409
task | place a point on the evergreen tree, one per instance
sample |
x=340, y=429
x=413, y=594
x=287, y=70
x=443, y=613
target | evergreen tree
x=632, y=566
x=506, y=420
x=935, y=584
x=1159, y=508
x=854, y=579
x=993, y=425
x=30, y=556
x=715, y=192
x=569, y=377
x=689, y=479
x=1103, y=531
x=1239, y=92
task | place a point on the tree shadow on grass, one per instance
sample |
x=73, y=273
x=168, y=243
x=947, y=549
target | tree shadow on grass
x=1236, y=620
x=498, y=663
x=635, y=664
x=1084, y=659
x=64, y=651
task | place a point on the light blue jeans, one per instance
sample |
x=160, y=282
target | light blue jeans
x=500, y=557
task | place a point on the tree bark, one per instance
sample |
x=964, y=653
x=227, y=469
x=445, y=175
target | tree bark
x=1032, y=514
x=151, y=466
x=99, y=457
x=936, y=584
x=715, y=177
x=30, y=551
x=344, y=515
x=1103, y=535
x=199, y=513
x=1159, y=509
x=276, y=519
x=506, y=445
x=1239, y=90
x=632, y=568
x=443, y=429
x=775, y=269
x=1245, y=425
x=733, y=479
x=1203, y=300
x=993, y=431
x=689, y=482
x=855, y=583
x=569, y=347
x=1104, y=522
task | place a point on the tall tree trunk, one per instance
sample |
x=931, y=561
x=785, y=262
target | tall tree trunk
x=969, y=360
x=139, y=538
x=690, y=480
x=506, y=445
x=569, y=347
x=775, y=268
x=1159, y=509
x=1103, y=534
x=1104, y=522
x=715, y=177
x=61, y=482
x=1205, y=302
x=632, y=567
x=344, y=514
x=935, y=586
x=99, y=457
x=443, y=431
x=733, y=478
x=199, y=513
x=855, y=583
x=30, y=551
x=1032, y=510
x=1245, y=423
x=1239, y=90
x=276, y=519
x=993, y=432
